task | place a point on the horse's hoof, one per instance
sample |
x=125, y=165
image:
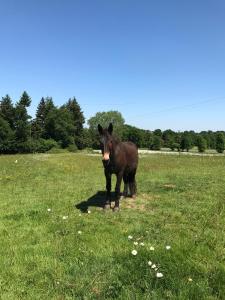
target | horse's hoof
x=107, y=207
x=116, y=209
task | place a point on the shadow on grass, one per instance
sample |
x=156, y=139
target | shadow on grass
x=97, y=200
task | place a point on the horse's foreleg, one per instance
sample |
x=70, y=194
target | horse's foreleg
x=117, y=190
x=108, y=190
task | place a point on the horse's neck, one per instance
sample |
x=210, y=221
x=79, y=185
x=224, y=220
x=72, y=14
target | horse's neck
x=115, y=143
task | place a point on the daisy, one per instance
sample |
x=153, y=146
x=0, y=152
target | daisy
x=142, y=244
x=153, y=266
x=168, y=247
x=149, y=263
x=134, y=252
x=130, y=237
x=79, y=232
x=89, y=211
x=135, y=243
x=159, y=275
x=16, y=161
x=152, y=248
x=49, y=209
x=65, y=217
x=190, y=279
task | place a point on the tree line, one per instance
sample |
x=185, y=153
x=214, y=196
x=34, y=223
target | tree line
x=63, y=127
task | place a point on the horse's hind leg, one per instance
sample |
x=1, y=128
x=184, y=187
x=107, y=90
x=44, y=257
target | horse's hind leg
x=132, y=184
x=126, y=185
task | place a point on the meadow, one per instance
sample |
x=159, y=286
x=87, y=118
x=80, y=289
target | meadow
x=57, y=243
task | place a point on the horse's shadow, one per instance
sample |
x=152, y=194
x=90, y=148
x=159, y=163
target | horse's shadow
x=97, y=200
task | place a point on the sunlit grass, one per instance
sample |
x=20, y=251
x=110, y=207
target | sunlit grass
x=50, y=249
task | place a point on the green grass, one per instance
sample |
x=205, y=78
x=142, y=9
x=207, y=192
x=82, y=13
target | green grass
x=181, y=203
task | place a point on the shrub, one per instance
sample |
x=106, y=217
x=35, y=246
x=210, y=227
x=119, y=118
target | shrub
x=72, y=148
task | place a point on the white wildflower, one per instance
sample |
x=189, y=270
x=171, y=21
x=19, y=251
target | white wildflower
x=135, y=243
x=49, y=209
x=153, y=266
x=65, y=217
x=142, y=244
x=130, y=237
x=16, y=161
x=190, y=279
x=79, y=232
x=168, y=247
x=89, y=211
x=159, y=275
x=152, y=248
x=149, y=263
x=134, y=252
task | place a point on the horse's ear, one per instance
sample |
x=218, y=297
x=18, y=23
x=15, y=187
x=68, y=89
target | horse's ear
x=100, y=129
x=110, y=128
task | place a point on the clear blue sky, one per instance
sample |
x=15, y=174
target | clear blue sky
x=160, y=63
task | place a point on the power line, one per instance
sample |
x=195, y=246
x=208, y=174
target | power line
x=182, y=107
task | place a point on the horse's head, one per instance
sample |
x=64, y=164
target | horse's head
x=106, y=140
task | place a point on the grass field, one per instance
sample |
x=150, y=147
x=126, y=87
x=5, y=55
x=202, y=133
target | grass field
x=67, y=253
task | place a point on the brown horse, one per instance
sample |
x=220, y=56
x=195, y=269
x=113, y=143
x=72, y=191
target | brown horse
x=120, y=158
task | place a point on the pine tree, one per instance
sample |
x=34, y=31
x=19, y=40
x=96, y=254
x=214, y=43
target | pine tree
x=76, y=113
x=7, y=111
x=22, y=124
x=6, y=137
x=45, y=106
x=59, y=126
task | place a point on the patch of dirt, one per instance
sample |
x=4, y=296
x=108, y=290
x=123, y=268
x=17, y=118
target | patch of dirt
x=140, y=203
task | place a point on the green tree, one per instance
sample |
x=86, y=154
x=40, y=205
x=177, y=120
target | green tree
x=104, y=118
x=78, y=120
x=168, y=137
x=201, y=144
x=45, y=106
x=220, y=142
x=158, y=132
x=132, y=134
x=6, y=137
x=22, y=124
x=157, y=143
x=59, y=127
x=147, y=139
x=7, y=111
x=185, y=142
